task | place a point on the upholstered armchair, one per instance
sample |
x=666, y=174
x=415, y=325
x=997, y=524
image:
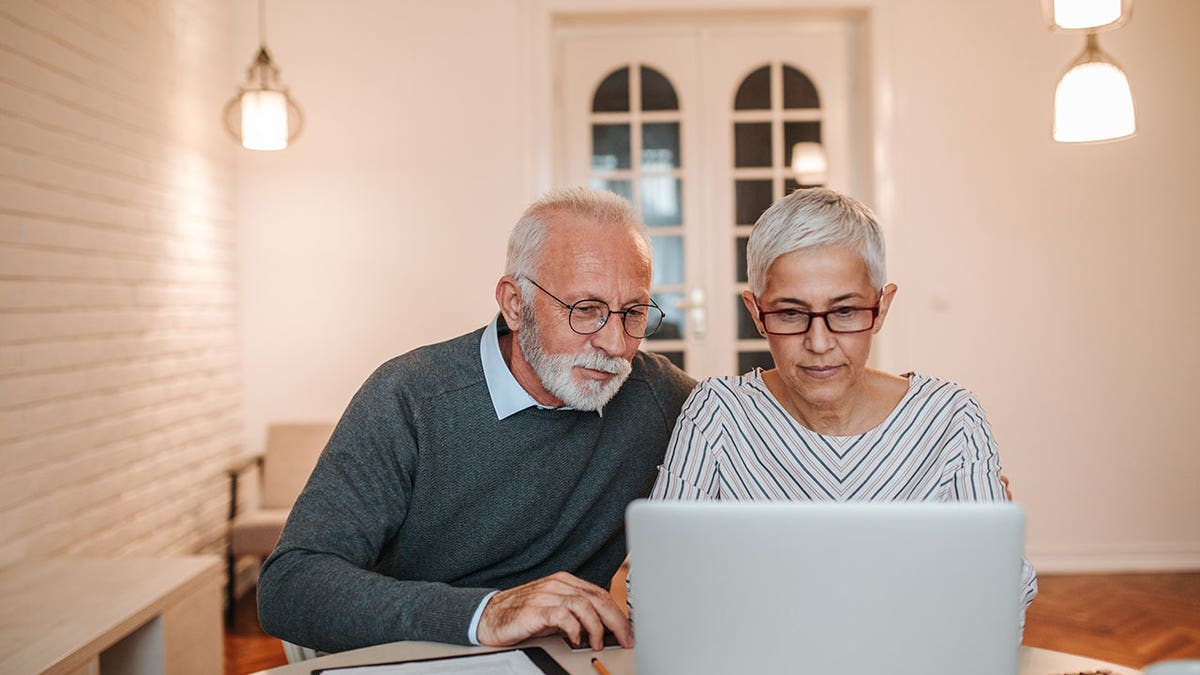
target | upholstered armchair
x=256, y=519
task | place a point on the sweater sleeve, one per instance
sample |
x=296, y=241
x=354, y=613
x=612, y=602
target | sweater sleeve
x=318, y=588
x=977, y=479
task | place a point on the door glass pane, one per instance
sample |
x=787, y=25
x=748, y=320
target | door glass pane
x=668, y=261
x=752, y=197
x=613, y=93
x=790, y=185
x=610, y=147
x=755, y=91
x=657, y=92
x=672, y=325
x=621, y=187
x=752, y=144
x=740, y=252
x=798, y=90
x=674, y=357
x=660, y=146
x=748, y=361
x=662, y=202
x=798, y=132
x=746, y=328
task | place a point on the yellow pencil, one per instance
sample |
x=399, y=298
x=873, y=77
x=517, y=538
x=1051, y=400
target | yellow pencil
x=599, y=667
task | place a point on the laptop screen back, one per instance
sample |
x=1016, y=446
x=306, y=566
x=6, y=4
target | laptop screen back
x=835, y=589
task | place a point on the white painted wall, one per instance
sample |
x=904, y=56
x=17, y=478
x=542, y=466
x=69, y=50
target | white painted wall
x=120, y=392
x=1058, y=281
x=383, y=228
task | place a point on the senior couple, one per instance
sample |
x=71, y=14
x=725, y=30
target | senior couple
x=474, y=490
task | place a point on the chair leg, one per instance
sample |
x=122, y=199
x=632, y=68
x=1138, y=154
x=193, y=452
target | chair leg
x=230, y=589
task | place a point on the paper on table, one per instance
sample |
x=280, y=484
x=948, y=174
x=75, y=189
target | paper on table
x=499, y=663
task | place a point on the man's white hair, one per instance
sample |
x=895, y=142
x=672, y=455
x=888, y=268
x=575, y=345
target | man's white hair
x=533, y=229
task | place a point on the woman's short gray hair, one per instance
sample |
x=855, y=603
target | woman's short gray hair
x=532, y=230
x=814, y=218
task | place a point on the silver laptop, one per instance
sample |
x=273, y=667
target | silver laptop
x=824, y=588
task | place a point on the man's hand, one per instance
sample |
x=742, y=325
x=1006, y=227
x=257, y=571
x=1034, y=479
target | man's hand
x=559, y=603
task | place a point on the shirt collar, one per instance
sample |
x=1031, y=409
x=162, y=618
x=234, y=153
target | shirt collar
x=508, y=396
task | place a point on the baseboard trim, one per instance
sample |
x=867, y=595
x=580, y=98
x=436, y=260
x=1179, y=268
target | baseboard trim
x=1115, y=562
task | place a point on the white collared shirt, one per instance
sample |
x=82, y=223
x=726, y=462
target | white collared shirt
x=508, y=396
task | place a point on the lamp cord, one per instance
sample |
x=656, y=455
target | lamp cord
x=262, y=23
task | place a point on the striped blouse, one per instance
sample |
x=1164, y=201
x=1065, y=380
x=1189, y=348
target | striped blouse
x=735, y=441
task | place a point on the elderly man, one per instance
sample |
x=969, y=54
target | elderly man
x=474, y=490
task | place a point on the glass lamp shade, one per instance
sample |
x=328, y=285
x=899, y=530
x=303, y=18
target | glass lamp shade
x=1087, y=14
x=264, y=120
x=1093, y=101
x=809, y=164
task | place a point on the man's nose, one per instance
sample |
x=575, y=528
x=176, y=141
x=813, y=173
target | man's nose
x=611, y=337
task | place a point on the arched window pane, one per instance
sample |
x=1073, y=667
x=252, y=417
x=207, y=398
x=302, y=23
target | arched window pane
x=755, y=91
x=610, y=147
x=798, y=90
x=613, y=93
x=657, y=92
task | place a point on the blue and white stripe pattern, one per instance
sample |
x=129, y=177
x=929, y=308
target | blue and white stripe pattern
x=734, y=441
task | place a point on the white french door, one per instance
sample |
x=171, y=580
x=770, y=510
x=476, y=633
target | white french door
x=695, y=123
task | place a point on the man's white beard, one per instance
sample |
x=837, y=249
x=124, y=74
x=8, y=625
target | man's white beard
x=554, y=370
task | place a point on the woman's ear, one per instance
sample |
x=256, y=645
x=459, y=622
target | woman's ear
x=885, y=303
x=508, y=297
x=752, y=307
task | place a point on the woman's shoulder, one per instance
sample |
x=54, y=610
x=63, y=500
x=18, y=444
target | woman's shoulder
x=725, y=390
x=734, y=385
x=928, y=388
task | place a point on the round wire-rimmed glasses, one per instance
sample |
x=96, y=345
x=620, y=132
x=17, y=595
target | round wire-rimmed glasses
x=589, y=316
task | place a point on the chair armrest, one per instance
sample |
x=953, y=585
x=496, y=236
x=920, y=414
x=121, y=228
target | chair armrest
x=235, y=473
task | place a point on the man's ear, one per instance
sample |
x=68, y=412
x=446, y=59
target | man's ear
x=508, y=297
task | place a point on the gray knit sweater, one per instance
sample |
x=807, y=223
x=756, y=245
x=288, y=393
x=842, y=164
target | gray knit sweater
x=423, y=502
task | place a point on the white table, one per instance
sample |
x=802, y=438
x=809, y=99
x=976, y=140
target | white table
x=112, y=616
x=1032, y=661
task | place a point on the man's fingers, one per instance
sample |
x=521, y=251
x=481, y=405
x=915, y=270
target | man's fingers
x=559, y=602
x=566, y=622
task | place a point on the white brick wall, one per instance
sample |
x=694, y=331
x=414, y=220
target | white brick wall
x=119, y=376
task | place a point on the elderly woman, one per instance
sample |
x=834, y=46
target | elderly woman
x=821, y=425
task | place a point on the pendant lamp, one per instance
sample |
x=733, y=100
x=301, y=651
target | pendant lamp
x=1094, y=15
x=809, y=164
x=262, y=115
x=1092, y=101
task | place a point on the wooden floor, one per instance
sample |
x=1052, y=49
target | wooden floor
x=1129, y=619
